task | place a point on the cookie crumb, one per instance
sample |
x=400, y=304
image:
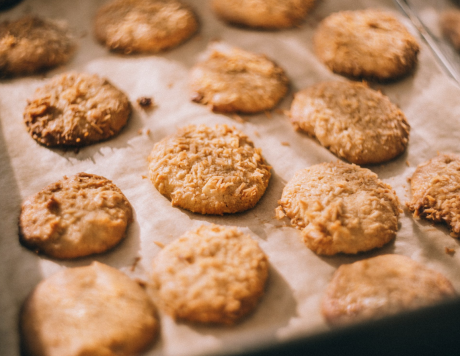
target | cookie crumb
x=256, y=133
x=136, y=261
x=268, y=114
x=144, y=177
x=407, y=164
x=139, y=132
x=142, y=283
x=279, y=213
x=450, y=251
x=284, y=143
x=159, y=244
x=145, y=102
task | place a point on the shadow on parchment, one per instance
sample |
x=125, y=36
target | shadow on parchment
x=19, y=267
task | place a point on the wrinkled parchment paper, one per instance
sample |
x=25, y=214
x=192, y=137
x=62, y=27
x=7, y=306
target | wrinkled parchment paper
x=298, y=277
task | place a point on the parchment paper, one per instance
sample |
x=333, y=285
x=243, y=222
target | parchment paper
x=298, y=277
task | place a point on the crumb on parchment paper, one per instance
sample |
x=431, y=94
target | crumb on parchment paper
x=146, y=102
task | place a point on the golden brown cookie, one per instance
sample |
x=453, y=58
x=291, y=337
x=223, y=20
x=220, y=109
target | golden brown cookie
x=435, y=187
x=233, y=80
x=352, y=120
x=341, y=208
x=74, y=217
x=30, y=44
x=209, y=170
x=213, y=274
x=76, y=109
x=369, y=44
x=264, y=14
x=93, y=310
x=381, y=286
x=146, y=26
x=450, y=27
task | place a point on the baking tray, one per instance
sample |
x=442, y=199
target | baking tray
x=288, y=320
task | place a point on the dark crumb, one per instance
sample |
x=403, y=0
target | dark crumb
x=145, y=102
x=136, y=261
x=196, y=97
x=450, y=251
x=142, y=283
x=76, y=150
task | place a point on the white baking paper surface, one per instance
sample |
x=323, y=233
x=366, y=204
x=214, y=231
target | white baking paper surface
x=290, y=307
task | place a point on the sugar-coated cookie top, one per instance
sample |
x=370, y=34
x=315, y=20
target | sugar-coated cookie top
x=74, y=217
x=214, y=274
x=31, y=44
x=93, y=310
x=263, y=14
x=76, y=109
x=341, y=208
x=380, y=286
x=234, y=80
x=209, y=170
x=146, y=26
x=435, y=187
x=369, y=44
x=352, y=120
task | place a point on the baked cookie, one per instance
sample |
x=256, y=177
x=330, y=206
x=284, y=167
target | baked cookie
x=214, y=274
x=93, y=310
x=209, y=170
x=30, y=44
x=74, y=217
x=76, y=109
x=145, y=26
x=450, y=27
x=435, y=187
x=263, y=14
x=341, y=208
x=381, y=286
x=352, y=120
x=233, y=80
x=369, y=44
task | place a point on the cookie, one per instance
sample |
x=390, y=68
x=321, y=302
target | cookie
x=450, y=27
x=233, y=80
x=209, y=170
x=435, y=187
x=144, y=26
x=368, y=44
x=265, y=14
x=93, y=310
x=76, y=109
x=381, y=286
x=352, y=120
x=31, y=44
x=77, y=216
x=341, y=208
x=214, y=274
